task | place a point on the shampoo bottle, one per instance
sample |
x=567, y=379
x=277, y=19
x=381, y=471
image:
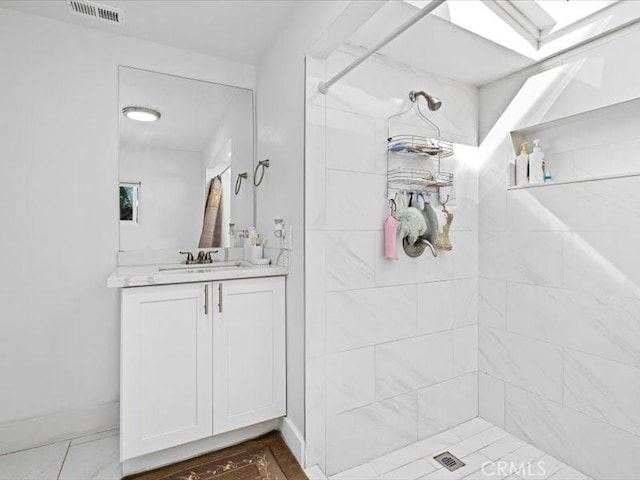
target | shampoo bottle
x=522, y=165
x=536, y=163
x=547, y=173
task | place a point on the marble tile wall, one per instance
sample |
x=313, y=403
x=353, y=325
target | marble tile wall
x=391, y=345
x=559, y=286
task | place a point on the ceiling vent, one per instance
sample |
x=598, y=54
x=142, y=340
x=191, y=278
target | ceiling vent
x=95, y=10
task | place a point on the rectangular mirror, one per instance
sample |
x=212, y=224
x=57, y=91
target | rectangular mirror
x=184, y=147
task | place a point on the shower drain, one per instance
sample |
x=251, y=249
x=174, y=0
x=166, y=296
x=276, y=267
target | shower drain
x=451, y=462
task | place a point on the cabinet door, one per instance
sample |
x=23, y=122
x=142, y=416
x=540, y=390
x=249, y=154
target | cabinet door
x=249, y=353
x=166, y=370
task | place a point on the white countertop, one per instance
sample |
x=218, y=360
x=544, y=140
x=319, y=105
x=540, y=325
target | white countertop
x=145, y=275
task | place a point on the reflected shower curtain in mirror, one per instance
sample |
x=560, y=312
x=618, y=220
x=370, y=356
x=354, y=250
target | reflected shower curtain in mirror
x=212, y=222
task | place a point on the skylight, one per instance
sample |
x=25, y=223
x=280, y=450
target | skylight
x=566, y=12
x=536, y=28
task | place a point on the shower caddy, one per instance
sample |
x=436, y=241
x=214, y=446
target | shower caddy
x=404, y=180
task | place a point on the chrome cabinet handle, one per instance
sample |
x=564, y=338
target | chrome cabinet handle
x=220, y=297
x=206, y=299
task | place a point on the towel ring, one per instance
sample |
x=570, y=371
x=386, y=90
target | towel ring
x=264, y=164
x=241, y=176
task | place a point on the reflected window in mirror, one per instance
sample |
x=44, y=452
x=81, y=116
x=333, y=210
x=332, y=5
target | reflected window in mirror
x=129, y=202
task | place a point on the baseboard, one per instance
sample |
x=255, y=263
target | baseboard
x=36, y=431
x=293, y=438
x=193, y=449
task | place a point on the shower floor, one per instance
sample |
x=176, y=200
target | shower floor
x=488, y=452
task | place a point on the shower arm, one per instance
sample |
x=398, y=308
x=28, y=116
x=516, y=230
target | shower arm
x=413, y=95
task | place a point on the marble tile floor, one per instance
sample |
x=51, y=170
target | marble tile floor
x=93, y=456
x=477, y=443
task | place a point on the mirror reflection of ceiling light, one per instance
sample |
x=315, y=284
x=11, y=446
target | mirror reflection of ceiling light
x=141, y=114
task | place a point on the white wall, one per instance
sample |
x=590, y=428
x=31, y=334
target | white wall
x=59, y=333
x=559, y=286
x=280, y=119
x=391, y=345
x=171, y=197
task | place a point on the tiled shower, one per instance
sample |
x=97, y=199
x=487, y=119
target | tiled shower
x=391, y=346
x=532, y=322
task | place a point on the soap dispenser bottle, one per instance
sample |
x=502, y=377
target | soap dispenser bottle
x=522, y=166
x=536, y=163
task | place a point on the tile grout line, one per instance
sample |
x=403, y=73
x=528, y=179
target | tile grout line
x=504, y=402
x=563, y=258
x=64, y=460
x=574, y=410
x=415, y=391
x=583, y=291
x=48, y=444
x=324, y=456
x=411, y=284
x=419, y=335
x=547, y=342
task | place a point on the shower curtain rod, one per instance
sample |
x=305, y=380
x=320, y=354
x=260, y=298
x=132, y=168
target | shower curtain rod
x=423, y=12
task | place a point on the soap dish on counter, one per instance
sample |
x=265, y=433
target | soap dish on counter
x=261, y=261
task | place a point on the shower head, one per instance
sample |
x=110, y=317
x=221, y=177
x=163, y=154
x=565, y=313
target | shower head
x=434, y=103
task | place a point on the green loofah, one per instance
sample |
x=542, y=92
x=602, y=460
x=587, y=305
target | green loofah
x=412, y=223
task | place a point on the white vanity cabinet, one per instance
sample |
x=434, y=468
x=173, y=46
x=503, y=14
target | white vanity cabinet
x=166, y=370
x=200, y=359
x=249, y=353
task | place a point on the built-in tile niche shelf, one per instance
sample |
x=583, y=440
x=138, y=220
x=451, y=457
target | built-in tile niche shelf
x=591, y=146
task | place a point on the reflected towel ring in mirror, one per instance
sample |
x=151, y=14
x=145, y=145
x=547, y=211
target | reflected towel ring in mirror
x=264, y=164
x=241, y=176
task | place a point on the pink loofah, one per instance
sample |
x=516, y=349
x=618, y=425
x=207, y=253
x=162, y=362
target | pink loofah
x=390, y=233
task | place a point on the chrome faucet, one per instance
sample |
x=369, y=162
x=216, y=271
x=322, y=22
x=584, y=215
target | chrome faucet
x=190, y=259
x=205, y=257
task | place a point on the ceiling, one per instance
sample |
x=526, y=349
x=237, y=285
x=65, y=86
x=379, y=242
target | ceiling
x=464, y=39
x=438, y=46
x=237, y=30
x=479, y=41
x=191, y=109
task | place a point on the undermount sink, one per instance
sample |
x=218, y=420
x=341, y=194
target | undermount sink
x=205, y=267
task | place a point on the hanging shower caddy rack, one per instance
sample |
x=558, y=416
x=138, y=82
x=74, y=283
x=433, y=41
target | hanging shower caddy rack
x=417, y=180
x=433, y=149
x=420, y=146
